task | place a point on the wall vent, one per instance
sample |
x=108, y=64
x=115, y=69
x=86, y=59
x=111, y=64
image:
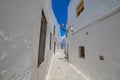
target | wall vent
x=101, y=57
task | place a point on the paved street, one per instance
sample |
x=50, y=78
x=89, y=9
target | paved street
x=61, y=69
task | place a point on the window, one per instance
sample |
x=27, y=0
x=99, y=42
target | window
x=42, y=39
x=50, y=40
x=81, y=52
x=80, y=8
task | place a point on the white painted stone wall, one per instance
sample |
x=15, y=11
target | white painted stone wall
x=93, y=9
x=101, y=19
x=20, y=22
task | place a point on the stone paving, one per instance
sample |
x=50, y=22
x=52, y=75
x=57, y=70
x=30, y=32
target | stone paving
x=61, y=69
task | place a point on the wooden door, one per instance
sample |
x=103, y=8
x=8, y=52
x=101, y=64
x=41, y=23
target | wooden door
x=42, y=40
x=54, y=46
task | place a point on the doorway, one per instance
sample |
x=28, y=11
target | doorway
x=54, y=46
x=42, y=40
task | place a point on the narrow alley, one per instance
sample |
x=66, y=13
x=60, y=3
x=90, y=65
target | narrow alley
x=59, y=39
x=61, y=69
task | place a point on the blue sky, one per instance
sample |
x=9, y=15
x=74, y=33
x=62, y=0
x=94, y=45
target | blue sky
x=60, y=10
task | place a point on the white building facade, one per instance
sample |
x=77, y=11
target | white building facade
x=26, y=39
x=94, y=44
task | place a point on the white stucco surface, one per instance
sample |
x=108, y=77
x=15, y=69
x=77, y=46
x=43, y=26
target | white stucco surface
x=20, y=23
x=103, y=38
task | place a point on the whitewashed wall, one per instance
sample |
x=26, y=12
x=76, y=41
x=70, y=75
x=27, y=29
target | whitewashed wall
x=93, y=9
x=20, y=22
x=101, y=19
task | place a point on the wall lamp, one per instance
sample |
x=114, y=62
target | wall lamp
x=66, y=30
